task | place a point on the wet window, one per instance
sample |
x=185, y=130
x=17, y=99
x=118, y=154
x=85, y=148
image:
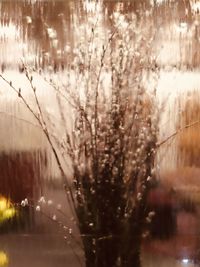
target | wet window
x=99, y=133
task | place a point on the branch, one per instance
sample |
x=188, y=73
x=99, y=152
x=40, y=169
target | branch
x=43, y=125
x=177, y=132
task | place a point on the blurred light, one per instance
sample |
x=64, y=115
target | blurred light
x=182, y=27
x=7, y=211
x=92, y=6
x=185, y=261
x=9, y=32
x=157, y=2
x=195, y=6
x=3, y=204
x=3, y=259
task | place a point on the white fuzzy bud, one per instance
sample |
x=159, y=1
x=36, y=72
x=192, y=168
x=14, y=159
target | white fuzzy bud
x=49, y=202
x=37, y=208
x=54, y=218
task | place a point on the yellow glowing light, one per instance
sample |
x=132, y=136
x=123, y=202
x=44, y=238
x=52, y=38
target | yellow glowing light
x=3, y=259
x=3, y=204
x=7, y=211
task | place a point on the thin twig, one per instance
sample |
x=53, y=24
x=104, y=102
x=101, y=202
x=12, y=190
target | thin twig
x=177, y=132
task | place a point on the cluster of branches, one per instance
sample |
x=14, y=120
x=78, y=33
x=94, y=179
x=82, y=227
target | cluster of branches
x=110, y=142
